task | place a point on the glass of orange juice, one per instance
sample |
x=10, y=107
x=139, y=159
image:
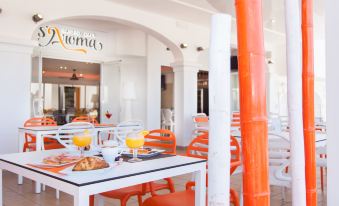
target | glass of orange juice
x=134, y=141
x=82, y=140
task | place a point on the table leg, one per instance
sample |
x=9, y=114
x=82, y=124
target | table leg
x=200, y=187
x=38, y=143
x=21, y=140
x=81, y=200
x=1, y=190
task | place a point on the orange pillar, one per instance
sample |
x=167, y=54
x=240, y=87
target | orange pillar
x=253, y=113
x=308, y=102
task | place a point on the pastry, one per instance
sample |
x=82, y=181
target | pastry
x=90, y=163
x=60, y=159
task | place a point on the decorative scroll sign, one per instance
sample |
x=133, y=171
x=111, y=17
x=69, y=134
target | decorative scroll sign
x=69, y=39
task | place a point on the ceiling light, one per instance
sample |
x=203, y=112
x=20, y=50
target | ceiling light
x=65, y=67
x=168, y=49
x=272, y=21
x=200, y=48
x=37, y=17
x=183, y=45
x=61, y=67
x=81, y=75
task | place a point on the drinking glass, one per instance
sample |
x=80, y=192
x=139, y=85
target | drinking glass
x=134, y=141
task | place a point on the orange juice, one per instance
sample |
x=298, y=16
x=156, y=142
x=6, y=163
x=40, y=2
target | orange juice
x=82, y=141
x=135, y=143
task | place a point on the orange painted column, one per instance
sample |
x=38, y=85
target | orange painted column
x=308, y=102
x=253, y=113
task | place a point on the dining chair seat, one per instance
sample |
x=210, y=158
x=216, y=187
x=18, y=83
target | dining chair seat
x=186, y=198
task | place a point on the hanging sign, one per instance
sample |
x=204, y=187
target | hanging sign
x=68, y=38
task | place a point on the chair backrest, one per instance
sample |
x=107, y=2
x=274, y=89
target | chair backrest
x=85, y=119
x=168, y=115
x=40, y=121
x=199, y=148
x=279, y=159
x=37, y=122
x=201, y=122
x=122, y=129
x=284, y=122
x=161, y=139
x=66, y=133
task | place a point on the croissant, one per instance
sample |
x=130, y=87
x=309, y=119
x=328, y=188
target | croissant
x=90, y=163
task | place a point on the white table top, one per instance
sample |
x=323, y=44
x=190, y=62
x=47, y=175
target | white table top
x=120, y=171
x=52, y=128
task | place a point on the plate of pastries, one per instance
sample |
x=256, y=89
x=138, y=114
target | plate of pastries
x=88, y=165
x=60, y=160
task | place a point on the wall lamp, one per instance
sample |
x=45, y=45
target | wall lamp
x=200, y=48
x=37, y=17
x=183, y=45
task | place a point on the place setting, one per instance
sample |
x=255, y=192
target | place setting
x=81, y=157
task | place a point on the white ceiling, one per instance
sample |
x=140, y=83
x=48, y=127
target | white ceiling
x=199, y=11
x=194, y=11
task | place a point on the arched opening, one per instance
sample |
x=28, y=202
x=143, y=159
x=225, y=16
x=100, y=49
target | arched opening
x=127, y=53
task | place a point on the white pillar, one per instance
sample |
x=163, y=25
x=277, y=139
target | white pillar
x=219, y=106
x=332, y=102
x=294, y=93
x=16, y=64
x=185, y=100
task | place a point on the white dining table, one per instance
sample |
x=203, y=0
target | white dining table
x=40, y=133
x=82, y=185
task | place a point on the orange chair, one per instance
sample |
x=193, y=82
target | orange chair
x=197, y=148
x=85, y=119
x=160, y=139
x=30, y=140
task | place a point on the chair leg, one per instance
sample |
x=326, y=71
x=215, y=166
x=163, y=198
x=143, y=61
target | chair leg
x=322, y=176
x=140, y=200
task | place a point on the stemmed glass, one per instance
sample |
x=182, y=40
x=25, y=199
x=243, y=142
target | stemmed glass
x=82, y=141
x=135, y=141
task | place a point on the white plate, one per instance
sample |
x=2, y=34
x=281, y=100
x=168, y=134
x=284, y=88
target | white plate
x=153, y=153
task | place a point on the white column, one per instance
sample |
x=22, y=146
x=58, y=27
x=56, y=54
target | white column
x=219, y=106
x=332, y=85
x=15, y=63
x=294, y=94
x=185, y=100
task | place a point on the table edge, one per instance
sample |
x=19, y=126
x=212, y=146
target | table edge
x=103, y=180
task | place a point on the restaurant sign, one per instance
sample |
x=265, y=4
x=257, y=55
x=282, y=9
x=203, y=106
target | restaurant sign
x=68, y=38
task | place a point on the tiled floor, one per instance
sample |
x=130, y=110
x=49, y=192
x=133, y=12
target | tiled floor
x=23, y=195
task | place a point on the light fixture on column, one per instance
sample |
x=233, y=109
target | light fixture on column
x=183, y=45
x=200, y=48
x=128, y=96
x=0, y=10
x=37, y=17
x=270, y=61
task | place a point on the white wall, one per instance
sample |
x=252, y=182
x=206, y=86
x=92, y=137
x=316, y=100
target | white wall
x=110, y=91
x=332, y=85
x=15, y=93
x=133, y=69
x=157, y=56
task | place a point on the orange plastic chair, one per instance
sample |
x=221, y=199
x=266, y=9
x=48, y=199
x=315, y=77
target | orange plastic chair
x=160, y=139
x=85, y=119
x=30, y=140
x=198, y=148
